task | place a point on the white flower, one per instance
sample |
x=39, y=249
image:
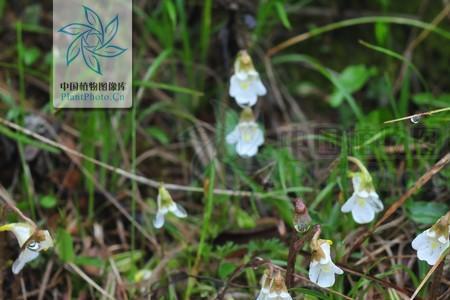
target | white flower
x=30, y=240
x=166, y=205
x=274, y=289
x=246, y=135
x=431, y=243
x=266, y=282
x=322, y=270
x=279, y=296
x=365, y=202
x=245, y=84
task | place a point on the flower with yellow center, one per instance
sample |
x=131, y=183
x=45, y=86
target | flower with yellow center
x=245, y=84
x=31, y=241
x=365, y=202
x=431, y=243
x=322, y=270
x=166, y=205
x=247, y=136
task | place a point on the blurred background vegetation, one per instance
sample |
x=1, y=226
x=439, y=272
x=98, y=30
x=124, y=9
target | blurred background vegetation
x=328, y=97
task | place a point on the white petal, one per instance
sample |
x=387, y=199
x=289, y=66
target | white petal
x=25, y=256
x=348, y=205
x=336, y=269
x=233, y=137
x=242, y=75
x=362, y=193
x=244, y=91
x=326, y=250
x=323, y=275
x=179, y=211
x=431, y=251
x=375, y=202
x=314, y=271
x=22, y=231
x=263, y=294
x=326, y=279
x=253, y=73
x=260, y=88
x=431, y=233
x=47, y=242
x=443, y=239
x=234, y=86
x=285, y=296
x=362, y=212
x=356, y=180
x=420, y=241
x=273, y=296
x=246, y=149
x=251, y=100
x=249, y=139
x=437, y=252
x=259, y=138
x=158, y=222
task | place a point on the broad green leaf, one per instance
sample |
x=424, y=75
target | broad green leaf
x=48, y=201
x=352, y=79
x=225, y=269
x=442, y=100
x=64, y=245
x=424, y=212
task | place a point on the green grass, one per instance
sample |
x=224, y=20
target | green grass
x=342, y=75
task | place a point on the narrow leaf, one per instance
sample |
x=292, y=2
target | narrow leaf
x=65, y=245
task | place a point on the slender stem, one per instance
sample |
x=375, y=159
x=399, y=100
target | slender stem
x=133, y=170
x=8, y=200
x=297, y=243
x=434, y=288
x=209, y=197
x=430, y=272
x=359, y=164
x=419, y=115
x=352, y=22
x=141, y=179
x=27, y=182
